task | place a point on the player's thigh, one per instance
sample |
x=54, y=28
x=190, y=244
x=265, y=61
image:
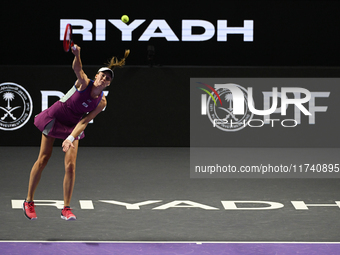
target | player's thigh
x=46, y=146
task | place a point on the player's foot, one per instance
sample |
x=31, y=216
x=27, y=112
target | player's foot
x=66, y=214
x=29, y=210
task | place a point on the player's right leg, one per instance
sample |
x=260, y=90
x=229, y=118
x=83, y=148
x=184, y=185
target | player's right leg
x=45, y=153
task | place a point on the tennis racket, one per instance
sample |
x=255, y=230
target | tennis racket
x=68, y=42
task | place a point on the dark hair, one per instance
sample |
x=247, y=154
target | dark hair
x=115, y=63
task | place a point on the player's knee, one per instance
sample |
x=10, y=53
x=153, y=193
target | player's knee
x=70, y=167
x=43, y=160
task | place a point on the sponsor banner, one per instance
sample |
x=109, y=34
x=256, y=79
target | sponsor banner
x=262, y=112
x=151, y=107
x=139, y=112
x=214, y=33
x=158, y=28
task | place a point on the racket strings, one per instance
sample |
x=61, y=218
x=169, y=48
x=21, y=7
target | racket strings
x=68, y=33
x=68, y=38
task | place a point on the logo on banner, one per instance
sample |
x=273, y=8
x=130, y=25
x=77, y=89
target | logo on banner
x=221, y=111
x=15, y=106
x=230, y=107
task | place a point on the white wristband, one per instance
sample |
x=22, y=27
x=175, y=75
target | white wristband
x=70, y=138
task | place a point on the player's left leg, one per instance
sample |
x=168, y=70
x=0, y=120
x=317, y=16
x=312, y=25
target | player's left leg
x=69, y=178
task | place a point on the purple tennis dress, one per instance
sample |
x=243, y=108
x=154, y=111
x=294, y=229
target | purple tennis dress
x=59, y=120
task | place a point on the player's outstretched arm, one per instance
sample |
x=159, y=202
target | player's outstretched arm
x=77, y=67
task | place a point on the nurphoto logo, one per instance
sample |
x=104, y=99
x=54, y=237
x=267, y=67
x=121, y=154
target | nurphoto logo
x=231, y=107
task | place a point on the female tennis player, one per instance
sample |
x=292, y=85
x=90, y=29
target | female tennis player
x=67, y=119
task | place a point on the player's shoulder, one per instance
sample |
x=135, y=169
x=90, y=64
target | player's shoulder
x=83, y=84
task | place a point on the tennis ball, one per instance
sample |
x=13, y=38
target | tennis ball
x=125, y=18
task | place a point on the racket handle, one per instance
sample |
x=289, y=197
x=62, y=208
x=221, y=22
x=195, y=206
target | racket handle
x=74, y=47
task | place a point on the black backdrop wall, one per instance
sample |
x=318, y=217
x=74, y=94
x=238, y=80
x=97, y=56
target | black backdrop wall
x=150, y=106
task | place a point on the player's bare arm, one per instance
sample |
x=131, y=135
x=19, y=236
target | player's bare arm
x=77, y=66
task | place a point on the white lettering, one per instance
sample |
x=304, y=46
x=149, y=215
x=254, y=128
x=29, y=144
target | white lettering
x=267, y=95
x=313, y=109
x=255, y=120
x=300, y=205
x=231, y=205
x=265, y=111
x=158, y=28
x=47, y=93
x=185, y=204
x=247, y=30
x=86, y=204
x=238, y=97
x=84, y=31
x=17, y=203
x=165, y=31
x=286, y=120
x=126, y=29
x=227, y=204
x=131, y=206
x=100, y=30
x=295, y=101
x=187, y=26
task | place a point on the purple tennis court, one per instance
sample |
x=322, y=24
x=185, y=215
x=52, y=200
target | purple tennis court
x=169, y=248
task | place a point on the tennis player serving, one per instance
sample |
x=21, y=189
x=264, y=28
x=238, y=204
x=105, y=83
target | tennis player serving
x=67, y=119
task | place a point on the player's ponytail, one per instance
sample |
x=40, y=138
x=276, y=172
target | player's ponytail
x=114, y=62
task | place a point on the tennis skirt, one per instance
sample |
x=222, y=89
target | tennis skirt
x=51, y=126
